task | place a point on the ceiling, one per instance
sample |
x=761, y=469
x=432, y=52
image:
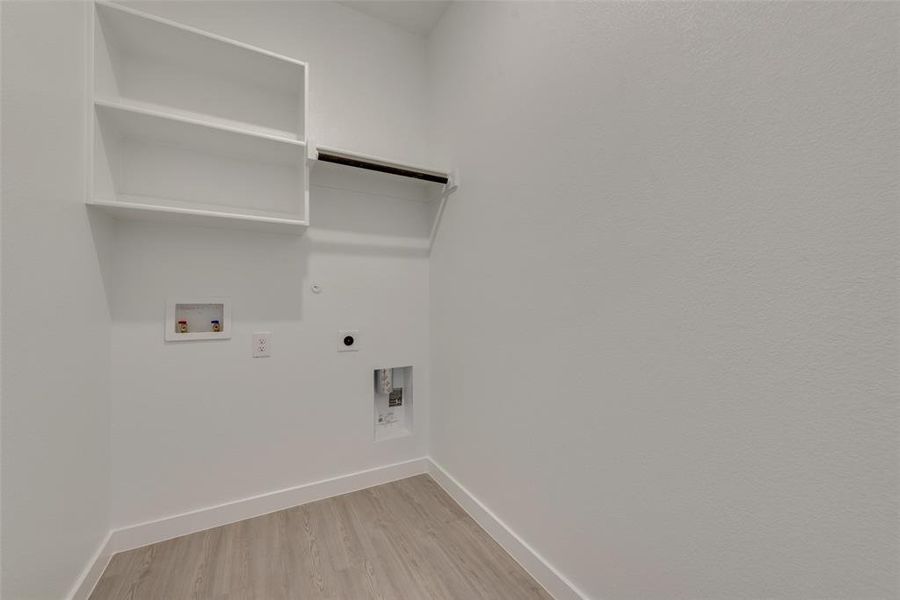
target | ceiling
x=415, y=16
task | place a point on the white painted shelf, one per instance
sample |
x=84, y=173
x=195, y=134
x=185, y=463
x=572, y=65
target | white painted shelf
x=194, y=128
x=147, y=58
x=194, y=117
x=198, y=217
x=133, y=120
x=435, y=184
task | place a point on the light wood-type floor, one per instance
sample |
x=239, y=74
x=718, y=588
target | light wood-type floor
x=406, y=540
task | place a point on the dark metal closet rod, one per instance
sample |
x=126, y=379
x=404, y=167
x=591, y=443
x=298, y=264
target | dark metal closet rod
x=374, y=166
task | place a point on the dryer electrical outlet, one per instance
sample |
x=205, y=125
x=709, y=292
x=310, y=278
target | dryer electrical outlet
x=348, y=340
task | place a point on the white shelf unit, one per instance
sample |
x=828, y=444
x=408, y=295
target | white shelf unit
x=195, y=128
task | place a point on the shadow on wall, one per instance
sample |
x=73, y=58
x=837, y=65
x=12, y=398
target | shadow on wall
x=102, y=231
x=356, y=211
x=352, y=213
x=151, y=262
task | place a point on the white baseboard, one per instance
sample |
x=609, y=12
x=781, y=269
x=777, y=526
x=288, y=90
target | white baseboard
x=151, y=532
x=543, y=572
x=92, y=572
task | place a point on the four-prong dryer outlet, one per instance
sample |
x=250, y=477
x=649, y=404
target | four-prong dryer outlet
x=348, y=340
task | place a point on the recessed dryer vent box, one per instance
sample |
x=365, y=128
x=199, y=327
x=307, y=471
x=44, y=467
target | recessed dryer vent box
x=393, y=403
x=198, y=319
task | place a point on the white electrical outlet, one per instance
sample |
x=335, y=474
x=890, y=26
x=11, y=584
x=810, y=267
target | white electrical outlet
x=262, y=344
x=348, y=340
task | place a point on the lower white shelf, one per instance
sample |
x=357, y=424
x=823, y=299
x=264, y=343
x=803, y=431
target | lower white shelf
x=199, y=217
x=163, y=166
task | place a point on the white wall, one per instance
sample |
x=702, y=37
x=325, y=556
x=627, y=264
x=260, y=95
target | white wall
x=55, y=328
x=665, y=338
x=367, y=78
x=197, y=424
x=664, y=327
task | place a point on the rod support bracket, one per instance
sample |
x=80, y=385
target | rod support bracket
x=452, y=182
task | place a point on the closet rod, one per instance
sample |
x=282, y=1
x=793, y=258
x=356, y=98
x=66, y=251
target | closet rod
x=373, y=164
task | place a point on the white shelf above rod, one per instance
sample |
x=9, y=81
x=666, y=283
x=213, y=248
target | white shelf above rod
x=373, y=163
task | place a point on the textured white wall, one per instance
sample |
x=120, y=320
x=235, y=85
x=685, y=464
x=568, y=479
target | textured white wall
x=664, y=300
x=198, y=424
x=366, y=78
x=55, y=328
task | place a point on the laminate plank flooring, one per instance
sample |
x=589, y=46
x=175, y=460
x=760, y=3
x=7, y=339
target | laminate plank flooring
x=406, y=540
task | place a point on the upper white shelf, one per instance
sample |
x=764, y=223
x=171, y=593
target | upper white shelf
x=191, y=127
x=141, y=120
x=198, y=118
x=148, y=59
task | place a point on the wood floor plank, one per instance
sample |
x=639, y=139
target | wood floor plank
x=406, y=540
